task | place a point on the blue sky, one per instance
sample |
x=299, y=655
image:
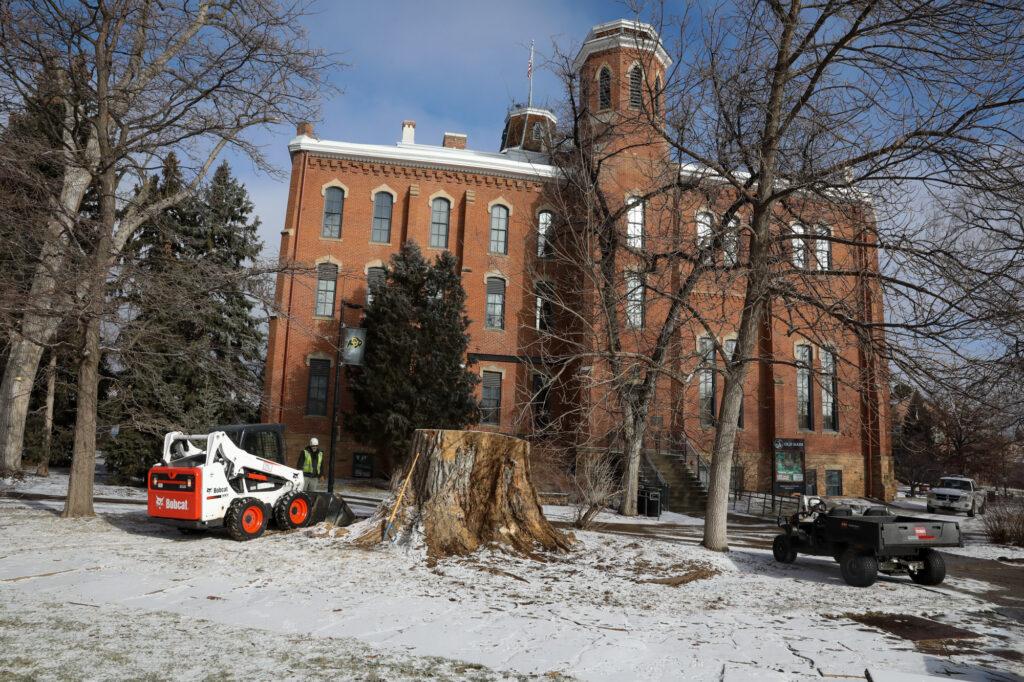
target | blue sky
x=453, y=65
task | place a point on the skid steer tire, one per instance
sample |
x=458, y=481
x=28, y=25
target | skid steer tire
x=246, y=519
x=858, y=569
x=294, y=510
x=934, y=571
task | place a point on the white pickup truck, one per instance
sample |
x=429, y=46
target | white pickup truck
x=957, y=494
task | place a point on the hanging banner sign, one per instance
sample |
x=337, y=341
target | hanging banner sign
x=788, y=467
x=355, y=344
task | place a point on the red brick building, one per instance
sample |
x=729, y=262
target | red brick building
x=352, y=205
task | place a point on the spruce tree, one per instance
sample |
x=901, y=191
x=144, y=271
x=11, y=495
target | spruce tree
x=189, y=347
x=414, y=372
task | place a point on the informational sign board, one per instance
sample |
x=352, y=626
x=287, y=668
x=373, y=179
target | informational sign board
x=355, y=344
x=788, y=469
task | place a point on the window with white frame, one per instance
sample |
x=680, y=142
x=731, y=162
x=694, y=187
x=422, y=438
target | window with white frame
x=375, y=278
x=499, y=229
x=440, y=213
x=495, y=317
x=382, y=204
x=731, y=243
x=490, y=393
x=706, y=381
x=823, y=247
x=334, y=204
x=635, y=224
x=326, y=284
x=544, y=245
x=544, y=294
x=705, y=234
x=636, y=87
x=804, y=387
x=799, y=245
x=829, y=391
x=634, y=299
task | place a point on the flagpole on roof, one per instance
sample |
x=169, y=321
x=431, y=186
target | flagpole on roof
x=529, y=100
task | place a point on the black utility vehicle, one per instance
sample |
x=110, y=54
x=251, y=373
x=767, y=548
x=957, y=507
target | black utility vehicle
x=867, y=543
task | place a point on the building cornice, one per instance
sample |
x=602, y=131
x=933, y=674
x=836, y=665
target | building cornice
x=527, y=166
x=617, y=34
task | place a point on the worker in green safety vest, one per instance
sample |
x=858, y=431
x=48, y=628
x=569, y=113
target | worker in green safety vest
x=311, y=461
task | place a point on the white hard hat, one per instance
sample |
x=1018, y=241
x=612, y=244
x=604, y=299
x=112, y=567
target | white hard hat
x=314, y=441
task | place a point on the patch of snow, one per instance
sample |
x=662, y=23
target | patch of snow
x=615, y=607
x=567, y=514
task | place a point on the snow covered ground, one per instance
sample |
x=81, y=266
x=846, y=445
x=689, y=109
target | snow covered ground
x=118, y=596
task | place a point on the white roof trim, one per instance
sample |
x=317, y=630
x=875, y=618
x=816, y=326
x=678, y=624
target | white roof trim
x=528, y=165
x=621, y=40
x=533, y=111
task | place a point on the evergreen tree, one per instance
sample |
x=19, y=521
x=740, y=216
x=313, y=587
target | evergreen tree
x=189, y=347
x=414, y=373
x=915, y=457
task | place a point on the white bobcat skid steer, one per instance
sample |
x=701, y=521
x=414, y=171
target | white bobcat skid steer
x=206, y=481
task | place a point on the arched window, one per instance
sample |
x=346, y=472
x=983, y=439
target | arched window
x=829, y=390
x=634, y=299
x=544, y=245
x=731, y=243
x=538, y=131
x=381, y=232
x=804, y=388
x=499, y=229
x=823, y=247
x=799, y=246
x=635, y=224
x=705, y=235
x=495, y=318
x=326, y=283
x=334, y=203
x=706, y=381
x=636, y=87
x=604, y=88
x=375, y=277
x=440, y=211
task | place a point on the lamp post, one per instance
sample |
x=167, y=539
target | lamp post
x=337, y=389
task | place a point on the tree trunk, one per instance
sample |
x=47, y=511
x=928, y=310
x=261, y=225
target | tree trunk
x=43, y=468
x=717, y=508
x=46, y=309
x=631, y=469
x=463, y=490
x=83, y=461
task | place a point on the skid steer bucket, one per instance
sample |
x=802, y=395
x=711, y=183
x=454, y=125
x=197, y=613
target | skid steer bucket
x=330, y=507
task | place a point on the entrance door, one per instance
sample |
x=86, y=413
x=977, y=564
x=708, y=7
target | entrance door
x=810, y=482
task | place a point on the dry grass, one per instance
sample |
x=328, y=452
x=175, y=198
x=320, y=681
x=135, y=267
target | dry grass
x=1004, y=522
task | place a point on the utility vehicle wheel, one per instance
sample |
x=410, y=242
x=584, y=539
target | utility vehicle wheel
x=246, y=519
x=293, y=510
x=934, y=570
x=783, y=549
x=859, y=570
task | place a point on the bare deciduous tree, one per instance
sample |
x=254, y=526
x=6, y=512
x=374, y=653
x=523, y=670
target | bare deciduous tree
x=148, y=78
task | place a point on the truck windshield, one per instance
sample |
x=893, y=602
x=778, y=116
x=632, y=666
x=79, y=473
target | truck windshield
x=955, y=483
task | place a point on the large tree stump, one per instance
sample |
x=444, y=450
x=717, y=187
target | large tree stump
x=467, y=489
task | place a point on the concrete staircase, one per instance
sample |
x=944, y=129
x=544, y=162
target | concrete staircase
x=685, y=493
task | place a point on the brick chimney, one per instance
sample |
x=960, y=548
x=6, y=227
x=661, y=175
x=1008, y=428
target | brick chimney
x=304, y=128
x=454, y=140
x=408, y=132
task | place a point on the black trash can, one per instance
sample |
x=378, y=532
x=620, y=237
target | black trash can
x=653, y=503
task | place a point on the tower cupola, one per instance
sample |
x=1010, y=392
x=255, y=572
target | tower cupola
x=528, y=128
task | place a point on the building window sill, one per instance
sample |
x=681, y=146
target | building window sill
x=323, y=317
x=330, y=239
